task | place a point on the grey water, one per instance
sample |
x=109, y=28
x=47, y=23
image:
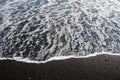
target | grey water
x=42, y=29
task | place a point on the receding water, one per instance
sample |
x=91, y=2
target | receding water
x=41, y=29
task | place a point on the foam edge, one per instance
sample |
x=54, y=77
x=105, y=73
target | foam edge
x=26, y=60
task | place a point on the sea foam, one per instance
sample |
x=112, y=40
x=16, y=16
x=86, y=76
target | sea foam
x=26, y=60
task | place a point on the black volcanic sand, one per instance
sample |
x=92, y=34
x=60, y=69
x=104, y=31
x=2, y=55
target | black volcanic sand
x=102, y=67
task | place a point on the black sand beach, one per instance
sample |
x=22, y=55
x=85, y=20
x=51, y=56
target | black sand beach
x=101, y=67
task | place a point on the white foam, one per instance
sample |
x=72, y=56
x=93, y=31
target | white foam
x=26, y=60
x=105, y=7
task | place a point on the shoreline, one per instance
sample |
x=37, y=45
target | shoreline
x=26, y=60
x=100, y=67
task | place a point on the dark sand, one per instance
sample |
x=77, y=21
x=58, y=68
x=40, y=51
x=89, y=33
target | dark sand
x=102, y=67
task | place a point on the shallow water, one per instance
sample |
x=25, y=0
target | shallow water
x=41, y=29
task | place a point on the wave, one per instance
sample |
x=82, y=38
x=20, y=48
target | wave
x=26, y=60
x=41, y=29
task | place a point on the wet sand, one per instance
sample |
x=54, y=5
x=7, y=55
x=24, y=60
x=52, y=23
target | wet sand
x=101, y=67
